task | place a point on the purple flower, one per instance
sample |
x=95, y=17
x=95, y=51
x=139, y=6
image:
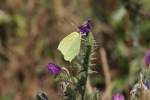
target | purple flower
x=54, y=69
x=147, y=58
x=118, y=96
x=85, y=28
x=147, y=84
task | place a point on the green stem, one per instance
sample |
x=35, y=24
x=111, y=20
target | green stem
x=85, y=56
x=85, y=66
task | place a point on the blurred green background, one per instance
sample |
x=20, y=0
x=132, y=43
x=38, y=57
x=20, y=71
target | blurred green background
x=30, y=31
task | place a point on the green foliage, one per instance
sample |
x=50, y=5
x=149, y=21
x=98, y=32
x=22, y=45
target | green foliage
x=7, y=97
x=118, y=16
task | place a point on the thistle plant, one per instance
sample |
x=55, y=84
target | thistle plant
x=141, y=90
x=79, y=49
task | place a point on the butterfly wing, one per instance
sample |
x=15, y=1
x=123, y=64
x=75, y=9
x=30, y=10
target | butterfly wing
x=70, y=46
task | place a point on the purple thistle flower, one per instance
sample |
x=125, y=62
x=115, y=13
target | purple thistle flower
x=118, y=96
x=85, y=28
x=147, y=58
x=54, y=69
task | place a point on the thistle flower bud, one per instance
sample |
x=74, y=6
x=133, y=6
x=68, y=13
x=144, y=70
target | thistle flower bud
x=85, y=28
x=147, y=84
x=118, y=96
x=147, y=58
x=54, y=69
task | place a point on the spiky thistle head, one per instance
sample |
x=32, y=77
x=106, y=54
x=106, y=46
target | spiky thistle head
x=85, y=28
